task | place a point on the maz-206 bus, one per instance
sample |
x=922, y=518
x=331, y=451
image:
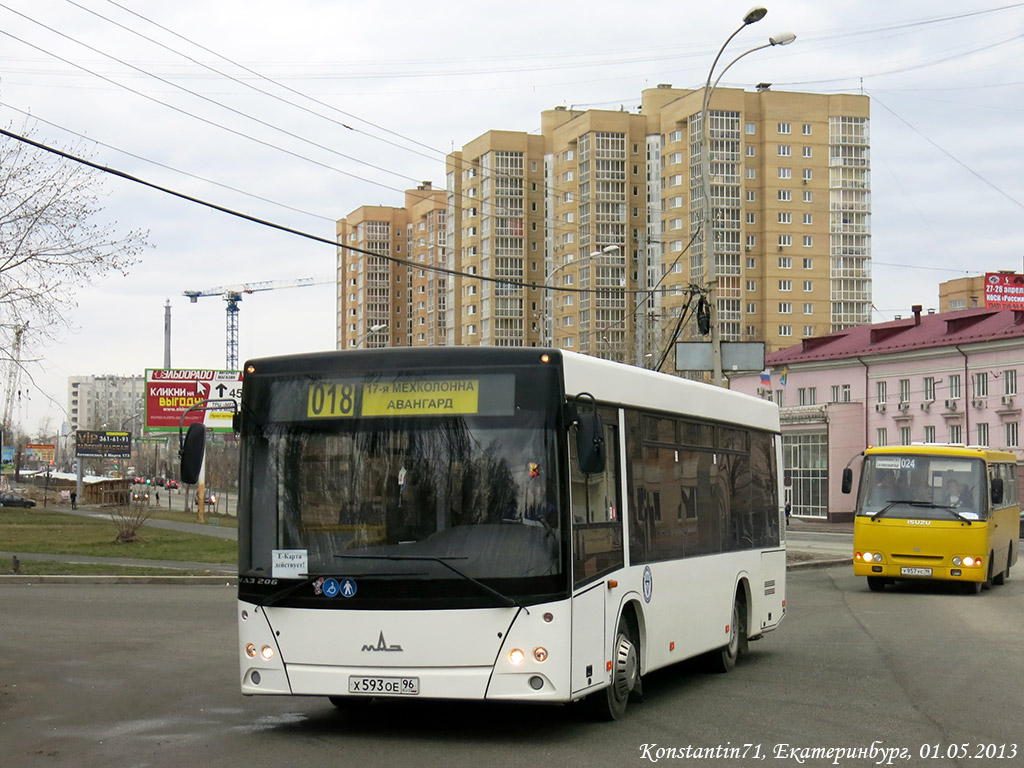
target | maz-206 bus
x=497, y=524
x=933, y=511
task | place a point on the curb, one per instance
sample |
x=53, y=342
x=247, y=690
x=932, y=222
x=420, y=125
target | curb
x=226, y=580
x=802, y=566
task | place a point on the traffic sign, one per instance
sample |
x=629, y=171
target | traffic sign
x=171, y=392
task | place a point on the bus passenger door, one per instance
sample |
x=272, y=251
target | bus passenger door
x=597, y=552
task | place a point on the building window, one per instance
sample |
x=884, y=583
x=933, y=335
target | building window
x=751, y=285
x=808, y=308
x=751, y=149
x=750, y=173
x=808, y=331
x=751, y=195
x=751, y=217
x=785, y=128
x=881, y=436
x=808, y=262
x=981, y=384
x=807, y=396
x=785, y=195
x=751, y=241
x=904, y=435
x=1012, y=430
x=785, y=285
x=929, y=391
x=807, y=151
x=785, y=262
x=785, y=217
x=751, y=128
x=785, y=241
x=956, y=434
x=983, y=434
x=807, y=129
x=785, y=308
x=785, y=150
x=808, y=241
x=808, y=174
x=808, y=218
x=904, y=390
x=785, y=330
x=751, y=262
x=1010, y=382
x=954, y=386
x=808, y=286
x=785, y=173
x=751, y=308
x=805, y=456
x=808, y=196
x=929, y=434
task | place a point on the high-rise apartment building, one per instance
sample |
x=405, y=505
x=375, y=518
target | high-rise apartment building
x=588, y=236
x=106, y=402
x=387, y=292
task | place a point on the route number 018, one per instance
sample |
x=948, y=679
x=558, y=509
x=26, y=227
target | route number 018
x=331, y=401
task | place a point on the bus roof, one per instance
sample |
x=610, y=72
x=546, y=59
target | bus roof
x=944, y=449
x=621, y=384
x=608, y=381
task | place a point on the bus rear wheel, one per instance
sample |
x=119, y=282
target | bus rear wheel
x=610, y=703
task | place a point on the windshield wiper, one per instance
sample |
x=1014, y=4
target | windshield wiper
x=509, y=601
x=915, y=503
x=289, y=589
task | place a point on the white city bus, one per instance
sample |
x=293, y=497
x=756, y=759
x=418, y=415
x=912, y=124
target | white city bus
x=497, y=524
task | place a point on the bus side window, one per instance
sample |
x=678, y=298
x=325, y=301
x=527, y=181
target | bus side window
x=596, y=510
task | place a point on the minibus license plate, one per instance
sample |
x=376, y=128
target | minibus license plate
x=915, y=571
x=384, y=686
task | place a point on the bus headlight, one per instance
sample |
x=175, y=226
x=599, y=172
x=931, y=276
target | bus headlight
x=250, y=651
x=872, y=557
x=267, y=652
x=970, y=562
x=958, y=561
x=540, y=654
x=516, y=657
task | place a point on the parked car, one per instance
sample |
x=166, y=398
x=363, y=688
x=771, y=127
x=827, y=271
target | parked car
x=15, y=500
x=211, y=497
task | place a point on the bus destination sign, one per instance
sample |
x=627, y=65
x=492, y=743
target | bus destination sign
x=454, y=396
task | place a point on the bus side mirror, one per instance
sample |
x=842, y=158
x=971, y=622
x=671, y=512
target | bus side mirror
x=590, y=448
x=192, y=448
x=847, y=480
x=997, y=490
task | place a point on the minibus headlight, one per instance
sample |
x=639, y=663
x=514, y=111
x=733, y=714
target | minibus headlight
x=267, y=652
x=968, y=561
x=877, y=557
x=516, y=657
x=958, y=561
x=867, y=557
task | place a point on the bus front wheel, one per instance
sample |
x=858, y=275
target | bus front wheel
x=724, y=659
x=610, y=703
x=876, y=583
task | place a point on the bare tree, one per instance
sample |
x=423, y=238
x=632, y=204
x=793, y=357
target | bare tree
x=51, y=242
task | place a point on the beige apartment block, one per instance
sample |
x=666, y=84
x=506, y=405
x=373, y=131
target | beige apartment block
x=588, y=235
x=373, y=284
x=790, y=185
x=427, y=248
x=495, y=196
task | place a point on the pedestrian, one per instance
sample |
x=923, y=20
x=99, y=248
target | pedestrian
x=789, y=509
x=158, y=498
x=74, y=499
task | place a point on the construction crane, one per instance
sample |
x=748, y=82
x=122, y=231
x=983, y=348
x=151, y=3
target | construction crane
x=233, y=294
x=12, y=375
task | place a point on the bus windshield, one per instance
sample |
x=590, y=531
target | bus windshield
x=923, y=487
x=454, y=499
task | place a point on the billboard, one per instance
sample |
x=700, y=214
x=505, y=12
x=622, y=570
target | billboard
x=171, y=392
x=107, y=445
x=1004, y=290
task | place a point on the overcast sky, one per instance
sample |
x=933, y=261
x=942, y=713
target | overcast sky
x=300, y=112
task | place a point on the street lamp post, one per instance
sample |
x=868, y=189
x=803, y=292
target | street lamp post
x=755, y=14
x=372, y=331
x=549, y=329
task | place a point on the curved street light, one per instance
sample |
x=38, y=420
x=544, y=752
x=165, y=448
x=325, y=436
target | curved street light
x=755, y=14
x=549, y=330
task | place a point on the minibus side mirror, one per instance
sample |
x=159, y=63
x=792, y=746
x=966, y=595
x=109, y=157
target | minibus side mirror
x=847, y=480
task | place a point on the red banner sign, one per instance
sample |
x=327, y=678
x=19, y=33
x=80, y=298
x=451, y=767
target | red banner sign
x=1004, y=290
x=169, y=393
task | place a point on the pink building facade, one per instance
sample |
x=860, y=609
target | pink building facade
x=937, y=378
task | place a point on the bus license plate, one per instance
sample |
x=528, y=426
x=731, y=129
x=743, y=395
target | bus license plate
x=905, y=571
x=384, y=686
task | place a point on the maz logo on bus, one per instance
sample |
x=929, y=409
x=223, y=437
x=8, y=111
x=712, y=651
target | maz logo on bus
x=381, y=645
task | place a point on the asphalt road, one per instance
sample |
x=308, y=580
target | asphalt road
x=104, y=675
